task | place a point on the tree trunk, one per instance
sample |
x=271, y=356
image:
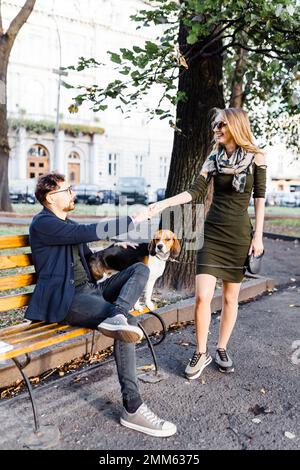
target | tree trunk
x=5, y=204
x=202, y=84
x=6, y=43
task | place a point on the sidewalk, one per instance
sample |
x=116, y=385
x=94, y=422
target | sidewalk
x=213, y=412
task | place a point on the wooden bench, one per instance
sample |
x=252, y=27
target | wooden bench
x=28, y=337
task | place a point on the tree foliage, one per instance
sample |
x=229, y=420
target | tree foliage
x=259, y=45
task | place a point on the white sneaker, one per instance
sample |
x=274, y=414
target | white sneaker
x=117, y=327
x=144, y=420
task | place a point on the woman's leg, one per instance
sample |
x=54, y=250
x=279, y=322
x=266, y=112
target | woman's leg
x=229, y=311
x=205, y=288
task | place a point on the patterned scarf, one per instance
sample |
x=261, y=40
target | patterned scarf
x=239, y=164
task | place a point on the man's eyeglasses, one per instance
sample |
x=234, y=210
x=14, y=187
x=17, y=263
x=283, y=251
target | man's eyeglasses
x=69, y=189
x=218, y=124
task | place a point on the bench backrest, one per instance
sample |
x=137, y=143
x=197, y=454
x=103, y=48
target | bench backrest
x=11, y=280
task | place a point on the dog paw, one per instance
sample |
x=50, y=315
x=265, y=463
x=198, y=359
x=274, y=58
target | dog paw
x=138, y=307
x=150, y=305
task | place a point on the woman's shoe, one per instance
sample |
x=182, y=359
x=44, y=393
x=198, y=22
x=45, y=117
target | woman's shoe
x=223, y=361
x=197, y=364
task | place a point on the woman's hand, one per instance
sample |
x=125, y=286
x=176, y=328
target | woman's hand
x=156, y=207
x=144, y=214
x=126, y=244
x=256, y=245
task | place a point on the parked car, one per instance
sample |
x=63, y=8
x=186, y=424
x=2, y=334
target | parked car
x=270, y=199
x=132, y=190
x=160, y=194
x=289, y=200
x=104, y=196
x=18, y=197
x=84, y=191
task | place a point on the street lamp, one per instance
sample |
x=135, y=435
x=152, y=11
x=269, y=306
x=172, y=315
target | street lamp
x=60, y=72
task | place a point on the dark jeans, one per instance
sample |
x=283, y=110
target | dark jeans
x=93, y=303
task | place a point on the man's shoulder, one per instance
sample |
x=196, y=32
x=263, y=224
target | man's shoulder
x=44, y=213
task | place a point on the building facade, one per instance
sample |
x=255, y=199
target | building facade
x=92, y=148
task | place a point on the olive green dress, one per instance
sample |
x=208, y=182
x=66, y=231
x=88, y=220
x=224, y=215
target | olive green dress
x=227, y=227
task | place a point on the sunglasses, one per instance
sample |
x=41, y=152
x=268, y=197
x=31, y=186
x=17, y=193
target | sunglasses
x=218, y=124
x=69, y=189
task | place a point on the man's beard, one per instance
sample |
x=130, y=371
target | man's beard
x=70, y=207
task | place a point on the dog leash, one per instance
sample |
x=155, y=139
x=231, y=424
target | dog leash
x=210, y=265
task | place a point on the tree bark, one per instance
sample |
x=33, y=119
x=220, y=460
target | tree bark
x=6, y=43
x=237, y=98
x=202, y=84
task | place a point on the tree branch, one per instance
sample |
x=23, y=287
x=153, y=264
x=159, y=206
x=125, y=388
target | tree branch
x=1, y=24
x=20, y=19
x=280, y=54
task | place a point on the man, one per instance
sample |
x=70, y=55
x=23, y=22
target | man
x=65, y=292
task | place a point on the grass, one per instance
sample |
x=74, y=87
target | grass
x=104, y=210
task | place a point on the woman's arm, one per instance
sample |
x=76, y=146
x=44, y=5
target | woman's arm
x=259, y=191
x=181, y=198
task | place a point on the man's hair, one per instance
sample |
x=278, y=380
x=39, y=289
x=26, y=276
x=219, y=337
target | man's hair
x=46, y=183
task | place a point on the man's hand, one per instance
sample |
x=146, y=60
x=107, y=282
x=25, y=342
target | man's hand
x=126, y=244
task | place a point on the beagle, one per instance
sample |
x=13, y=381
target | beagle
x=155, y=254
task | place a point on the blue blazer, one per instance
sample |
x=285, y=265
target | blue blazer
x=51, y=240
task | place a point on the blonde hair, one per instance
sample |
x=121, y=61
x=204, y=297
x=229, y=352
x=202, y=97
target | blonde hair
x=239, y=126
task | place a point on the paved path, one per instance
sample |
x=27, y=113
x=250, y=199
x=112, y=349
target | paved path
x=214, y=412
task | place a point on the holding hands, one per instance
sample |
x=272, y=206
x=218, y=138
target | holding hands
x=148, y=212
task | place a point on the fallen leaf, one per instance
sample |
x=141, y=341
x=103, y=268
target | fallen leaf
x=257, y=410
x=289, y=435
x=256, y=420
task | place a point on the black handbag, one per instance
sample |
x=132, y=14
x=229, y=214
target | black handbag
x=253, y=263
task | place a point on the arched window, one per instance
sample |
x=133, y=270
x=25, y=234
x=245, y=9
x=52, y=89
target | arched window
x=37, y=161
x=74, y=167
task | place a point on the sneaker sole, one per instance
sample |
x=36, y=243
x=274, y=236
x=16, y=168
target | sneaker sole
x=128, y=336
x=226, y=371
x=150, y=432
x=195, y=376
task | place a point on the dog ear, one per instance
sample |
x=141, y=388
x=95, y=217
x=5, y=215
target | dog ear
x=175, y=250
x=97, y=266
x=151, y=248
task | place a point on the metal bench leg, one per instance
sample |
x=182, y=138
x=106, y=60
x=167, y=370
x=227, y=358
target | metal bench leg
x=151, y=346
x=30, y=391
x=43, y=437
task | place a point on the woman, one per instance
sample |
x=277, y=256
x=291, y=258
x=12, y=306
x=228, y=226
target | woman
x=237, y=166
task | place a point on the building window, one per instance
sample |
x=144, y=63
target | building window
x=38, y=150
x=112, y=164
x=74, y=167
x=139, y=165
x=163, y=167
x=37, y=159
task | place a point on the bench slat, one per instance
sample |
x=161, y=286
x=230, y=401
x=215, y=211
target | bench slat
x=17, y=280
x=35, y=335
x=23, y=328
x=72, y=332
x=18, y=241
x=15, y=261
x=11, y=302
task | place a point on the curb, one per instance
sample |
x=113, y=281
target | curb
x=179, y=312
x=278, y=236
